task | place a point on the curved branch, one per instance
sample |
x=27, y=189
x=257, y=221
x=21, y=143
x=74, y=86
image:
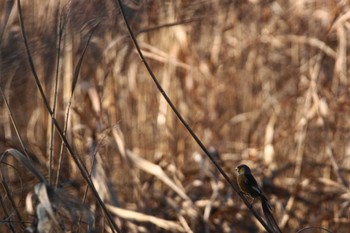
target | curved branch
x=183, y=121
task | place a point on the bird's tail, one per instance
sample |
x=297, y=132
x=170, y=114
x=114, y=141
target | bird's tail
x=269, y=216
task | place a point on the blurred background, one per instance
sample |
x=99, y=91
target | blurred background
x=260, y=82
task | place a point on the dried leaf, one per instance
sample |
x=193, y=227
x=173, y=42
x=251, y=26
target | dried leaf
x=136, y=216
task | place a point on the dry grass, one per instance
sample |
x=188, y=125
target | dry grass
x=263, y=82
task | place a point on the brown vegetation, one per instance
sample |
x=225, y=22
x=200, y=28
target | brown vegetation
x=263, y=82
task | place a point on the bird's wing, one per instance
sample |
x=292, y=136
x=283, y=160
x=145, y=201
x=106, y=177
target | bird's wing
x=253, y=185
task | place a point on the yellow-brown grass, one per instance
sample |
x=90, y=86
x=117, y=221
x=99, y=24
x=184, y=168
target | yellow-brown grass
x=264, y=82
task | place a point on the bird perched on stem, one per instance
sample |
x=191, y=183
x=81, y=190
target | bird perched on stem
x=249, y=186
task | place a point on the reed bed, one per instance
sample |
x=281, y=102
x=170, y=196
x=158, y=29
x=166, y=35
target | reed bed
x=260, y=82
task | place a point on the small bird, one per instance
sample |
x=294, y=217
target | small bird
x=249, y=186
